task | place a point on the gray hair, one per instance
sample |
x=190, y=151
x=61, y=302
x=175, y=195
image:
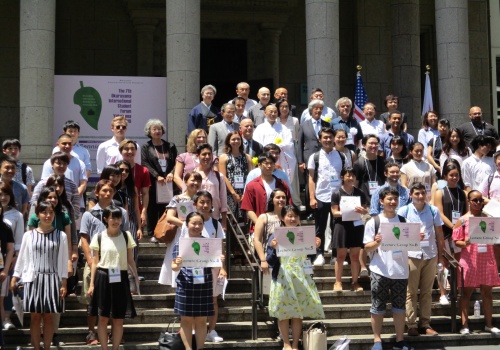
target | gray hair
x=153, y=122
x=238, y=85
x=225, y=105
x=314, y=103
x=343, y=100
x=209, y=86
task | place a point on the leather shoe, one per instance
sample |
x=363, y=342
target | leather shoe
x=428, y=331
x=310, y=217
x=413, y=332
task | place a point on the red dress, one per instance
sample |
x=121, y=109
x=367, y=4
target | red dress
x=479, y=268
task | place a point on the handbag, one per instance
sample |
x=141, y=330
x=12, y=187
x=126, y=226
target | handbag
x=164, y=231
x=173, y=341
x=314, y=338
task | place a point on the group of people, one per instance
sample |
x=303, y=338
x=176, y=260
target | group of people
x=247, y=159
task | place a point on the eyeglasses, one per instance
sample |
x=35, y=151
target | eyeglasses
x=120, y=127
x=123, y=170
x=477, y=200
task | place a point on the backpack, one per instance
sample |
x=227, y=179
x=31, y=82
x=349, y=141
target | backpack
x=316, y=163
x=24, y=172
x=377, y=221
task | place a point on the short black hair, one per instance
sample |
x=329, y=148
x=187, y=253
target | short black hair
x=202, y=193
x=417, y=186
x=11, y=142
x=71, y=124
x=387, y=191
x=61, y=156
x=111, y=211
x=202, y=146
x=482, y=140
x=264, y=156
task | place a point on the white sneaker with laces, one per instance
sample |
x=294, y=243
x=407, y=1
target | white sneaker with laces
x=212, y=336
x=7, y=324
x=464, y=331
x=492, y=330
x=443, y=300
x=319, y=261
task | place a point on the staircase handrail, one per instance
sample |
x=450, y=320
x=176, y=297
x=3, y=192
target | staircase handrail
x=455, y=268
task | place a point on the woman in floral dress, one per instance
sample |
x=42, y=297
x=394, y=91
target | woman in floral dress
x=234, y=164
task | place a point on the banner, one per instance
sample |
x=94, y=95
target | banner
x=200, y=252
x=93, y=101
x=484, y=230
x=400, y=236
x=295, y=241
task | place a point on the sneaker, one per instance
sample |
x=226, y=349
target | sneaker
x=363, y=273
x=492, y=330
x=212, y=336
x=319, y=261
x=302, y=208
x=337, y=287
x=153, y=240
x=377, y=346
x=56, y=341
x=346, y=263
x=92, y=338
x=464, y=331
x=7, y=324
x=443, y=300
x=402, y=345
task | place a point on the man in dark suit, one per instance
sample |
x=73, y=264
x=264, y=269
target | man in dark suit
x=253, y=148
x=204, y=114
x=219, y=131
x=280, y=93
x=308, y=142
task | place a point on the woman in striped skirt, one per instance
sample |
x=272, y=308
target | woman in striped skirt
x=42, y=263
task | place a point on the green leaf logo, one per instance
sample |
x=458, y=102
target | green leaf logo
x=90, y=103
x=397, y=232
x=482, y=225
x=291, y=236
x=183, y=209
x=196, y=247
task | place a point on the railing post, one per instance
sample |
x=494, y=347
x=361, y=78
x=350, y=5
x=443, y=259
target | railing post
x=255, y=301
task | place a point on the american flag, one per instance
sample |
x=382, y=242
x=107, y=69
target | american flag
x=359, y=99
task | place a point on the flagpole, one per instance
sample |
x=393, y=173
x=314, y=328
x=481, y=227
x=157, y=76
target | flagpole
x=427, y=104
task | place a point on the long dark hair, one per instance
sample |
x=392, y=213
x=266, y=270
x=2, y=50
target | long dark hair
x=44, y=193
x=3, y=226
x=227, y=142
x=7, y=189
x=129, y=181
x=398, y=140
x=453, y=164
x=63, y=198
x=463, y=150
x=270, y=203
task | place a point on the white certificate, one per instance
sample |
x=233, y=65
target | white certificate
x=164, y=192
x=200, y=252
x=400, y=236
x=492, y=208
x=347, y=205
x=484, y=230
x=184, y=209
x=295, y=241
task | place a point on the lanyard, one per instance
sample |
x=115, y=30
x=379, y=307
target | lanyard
x=452, y=204
x=368, y=170
x=162, y=152
x=481, y=130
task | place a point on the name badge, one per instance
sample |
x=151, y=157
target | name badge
x=397, y=254
x=114, y=274
x=357, y=222
x=350, y=139
x=482, y=248
x=373, y=187
x=163, y=164
x=198, y=275
x=455, y=215
x=424, y=243
x=334, y=181
x=238, y=182
x=308, y=269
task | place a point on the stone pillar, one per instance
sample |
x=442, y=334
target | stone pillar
x=322, y=40
x=405, y=33
x=145, y=29
x=452, y=41
x=272, y=53
x=36, y=81
x=183, y=65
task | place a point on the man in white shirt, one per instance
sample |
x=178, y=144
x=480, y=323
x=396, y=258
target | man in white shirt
x=371, y=126
x=107, y=152
x=479, y=165
x=243, y=90
x=324, y=179
x=72, y=128
x=327, y=114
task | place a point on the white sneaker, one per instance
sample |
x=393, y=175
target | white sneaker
x=346, y=263
x=7, y=324
x=492, y=330
x=443, y=300
x=464, y=331
x=212, y=336
x=319, y=261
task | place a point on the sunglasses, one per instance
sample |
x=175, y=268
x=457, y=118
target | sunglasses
x=124, y=170
x=120, y=127
x=477, y=200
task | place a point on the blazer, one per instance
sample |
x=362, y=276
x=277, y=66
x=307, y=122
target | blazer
x=149, y=159
x=217, y=136
x=198, y=120
x=308, y=143
x=256, y=148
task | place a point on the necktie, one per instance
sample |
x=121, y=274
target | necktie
x=316, y=127
x=247, y=148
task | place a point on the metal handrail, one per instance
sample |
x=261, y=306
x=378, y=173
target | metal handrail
x=454, y=267
x=251, y=260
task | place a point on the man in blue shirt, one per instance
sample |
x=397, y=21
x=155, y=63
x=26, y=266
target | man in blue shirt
x=392, y=174
x=396, y=120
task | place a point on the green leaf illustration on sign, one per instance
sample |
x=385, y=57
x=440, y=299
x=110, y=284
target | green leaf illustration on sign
x=397, y=232
x=90, y=103
x=291, y=236
x=196, y=247
x=482, y=225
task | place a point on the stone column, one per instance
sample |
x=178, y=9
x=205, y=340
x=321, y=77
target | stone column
x=405, y=33
x=272, y=56
x=452, y=41
x=145, y=29
x=183, y=65
x=322, y=40
x=36, y=95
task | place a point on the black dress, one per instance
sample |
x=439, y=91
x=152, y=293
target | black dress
x=345, y=234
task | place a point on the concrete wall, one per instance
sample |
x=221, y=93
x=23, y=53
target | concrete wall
x=9, y=69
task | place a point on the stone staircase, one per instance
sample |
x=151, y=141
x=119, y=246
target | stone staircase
x=347, y=313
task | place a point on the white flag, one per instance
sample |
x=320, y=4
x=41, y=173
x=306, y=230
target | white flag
x=427, y=105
